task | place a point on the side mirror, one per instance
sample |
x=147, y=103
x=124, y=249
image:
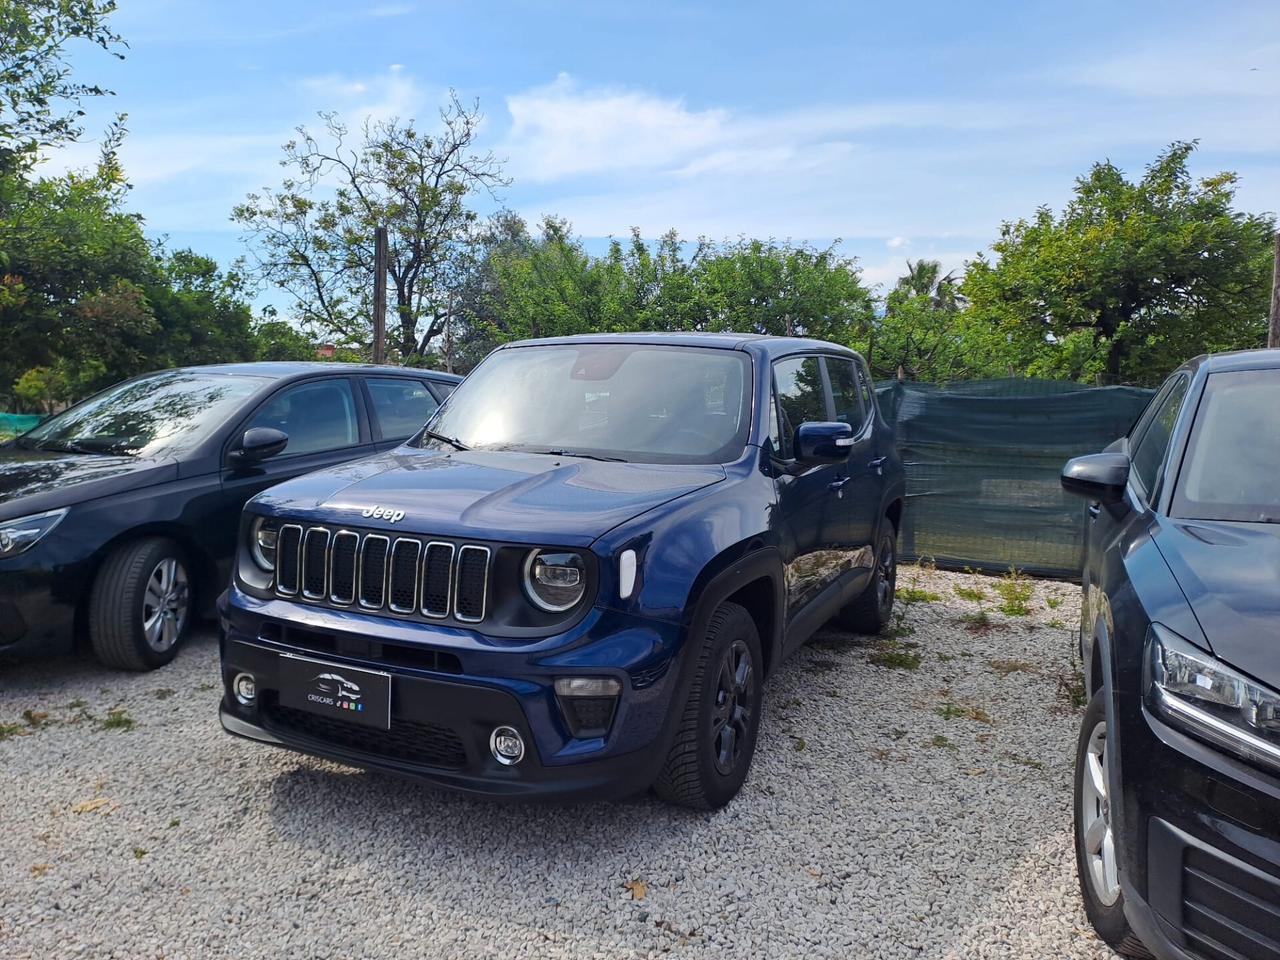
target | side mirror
x=823, y=441
x=1099, y=476
x=259, y=443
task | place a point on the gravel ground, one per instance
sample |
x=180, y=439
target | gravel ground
x=909, y=798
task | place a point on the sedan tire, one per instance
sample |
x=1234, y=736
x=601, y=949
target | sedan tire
x=141, y=605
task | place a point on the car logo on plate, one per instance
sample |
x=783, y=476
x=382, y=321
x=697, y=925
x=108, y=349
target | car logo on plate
x=333, y=689
x=383, y=513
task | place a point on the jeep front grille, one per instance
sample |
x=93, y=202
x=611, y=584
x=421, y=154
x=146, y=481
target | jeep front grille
x=406, y=576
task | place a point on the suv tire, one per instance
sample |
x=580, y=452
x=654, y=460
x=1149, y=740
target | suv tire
x=870, y=612
x=716, y=739
x=1103, y=902
x=141, y=605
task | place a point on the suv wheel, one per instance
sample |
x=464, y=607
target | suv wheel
x=716, y=740
x=1096, y=843
x=140, y=605
x=869, y=614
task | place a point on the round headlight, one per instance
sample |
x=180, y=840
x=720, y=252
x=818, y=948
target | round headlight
x=262, y=542
x=555, y=580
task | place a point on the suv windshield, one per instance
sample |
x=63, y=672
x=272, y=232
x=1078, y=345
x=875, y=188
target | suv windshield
x=623, y=401
x=1232, y=462
x=163, y=413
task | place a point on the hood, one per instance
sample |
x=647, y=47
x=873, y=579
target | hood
x=1230, y=574
x=487, y=494
x=33, y=481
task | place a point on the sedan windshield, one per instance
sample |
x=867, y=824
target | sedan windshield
x=164, y=413
x=1233, y=458
x=616, y=401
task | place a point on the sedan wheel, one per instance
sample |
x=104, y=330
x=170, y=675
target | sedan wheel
x=165, y=604
x=141, y=604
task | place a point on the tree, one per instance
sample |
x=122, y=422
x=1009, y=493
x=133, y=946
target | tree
x=40, y=105
x=313, y=238
x=1130, y=280
x=275, y=339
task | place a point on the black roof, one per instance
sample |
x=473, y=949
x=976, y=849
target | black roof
x=285, y=369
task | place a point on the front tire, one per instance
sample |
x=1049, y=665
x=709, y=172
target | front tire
x=716, y=740
x=1097, y=847
x=140, y=605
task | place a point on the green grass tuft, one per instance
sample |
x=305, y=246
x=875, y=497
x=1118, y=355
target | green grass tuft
x=1015, y=593
x=976, y=594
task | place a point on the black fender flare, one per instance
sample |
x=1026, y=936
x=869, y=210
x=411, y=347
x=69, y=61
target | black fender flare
x=763, y=562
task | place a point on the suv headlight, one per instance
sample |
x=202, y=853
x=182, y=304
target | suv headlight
x=1199, y=693
x=263, y=533
x=555, y=580
x=17, y=536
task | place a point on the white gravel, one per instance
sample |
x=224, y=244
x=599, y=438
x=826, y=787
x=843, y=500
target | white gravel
x=871, y=826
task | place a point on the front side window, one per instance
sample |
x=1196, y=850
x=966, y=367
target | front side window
x=401, y=406
x=162, y=414
x=618, y=401
x=1232, y=467
x=1149, y=454
x=316, y=416
x=801, y=397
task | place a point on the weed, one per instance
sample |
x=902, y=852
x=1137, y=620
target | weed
x=1055, y=622
x=799, y=744
x=1006, y=667
x=1025, y=761
x=895, y=657
x=976, y=594
x=949, y=711
x=139, y=853
x=1071, y=688
x=35, y=718
x=916, y=595
x=1015, y=592
x=946, y=657
x=977, y=621
x=8, y=730
x=174, y=822
x=117, y=719
x=942, y=742
x=1053, y=603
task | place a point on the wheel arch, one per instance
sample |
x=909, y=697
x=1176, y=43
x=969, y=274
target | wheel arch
x=204, y=569
x=751, y=575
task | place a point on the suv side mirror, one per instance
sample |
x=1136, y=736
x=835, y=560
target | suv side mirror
x=1099, y=476
x=259, y=443
x=823, y=441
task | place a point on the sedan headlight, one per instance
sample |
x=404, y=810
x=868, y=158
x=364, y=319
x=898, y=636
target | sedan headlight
x=263, y=533
x=1199, y=693
x=555, y=580
x=17, y=536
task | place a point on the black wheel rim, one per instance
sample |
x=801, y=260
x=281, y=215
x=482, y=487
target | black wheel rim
x=886, y=578
x=733, y=707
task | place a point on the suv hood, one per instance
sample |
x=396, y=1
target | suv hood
x=1230, y=574
x=33, y=481
x=487, y=494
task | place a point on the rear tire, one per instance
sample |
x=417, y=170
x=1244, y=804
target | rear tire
x=711, y=754
x=870, y=612
x=141, y=605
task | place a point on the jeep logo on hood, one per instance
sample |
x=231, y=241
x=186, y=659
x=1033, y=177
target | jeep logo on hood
x=382, y=513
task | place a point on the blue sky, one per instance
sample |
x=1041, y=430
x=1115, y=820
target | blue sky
x=905, y=129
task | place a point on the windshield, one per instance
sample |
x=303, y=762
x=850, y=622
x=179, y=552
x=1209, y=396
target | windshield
x=635, y=402
x=163, y=413
x=1233, y=456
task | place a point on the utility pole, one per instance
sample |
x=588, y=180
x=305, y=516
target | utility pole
x=380, y=295
x=448, y=336
x=1273, y=330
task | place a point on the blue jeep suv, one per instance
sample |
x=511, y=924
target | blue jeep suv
x=575, y=579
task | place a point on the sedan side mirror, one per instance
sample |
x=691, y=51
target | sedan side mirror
x=259, y=443
x=1099, y=476
x=823, y=441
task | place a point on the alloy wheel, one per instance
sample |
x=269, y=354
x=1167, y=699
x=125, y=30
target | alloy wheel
x=1097, y=837
x=165, y=604
x=734, y=702
x=886, y=576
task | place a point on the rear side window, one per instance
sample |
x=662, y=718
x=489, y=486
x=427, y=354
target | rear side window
x=844, y=392
x=801, y=397
x=868, y=392
x=316, y=416
x=402, y=407
x=1154, y=443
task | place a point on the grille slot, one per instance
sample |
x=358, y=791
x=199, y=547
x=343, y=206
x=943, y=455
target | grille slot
x=342, y=567
x=403, y=590
x=437, y=576
x=288, y=558
x=373, y=571
x=472, y=583
x=422, y=743
x=315, y=555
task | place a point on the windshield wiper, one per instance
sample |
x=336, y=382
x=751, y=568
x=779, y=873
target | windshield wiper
x=455, y=443
x=581, y=456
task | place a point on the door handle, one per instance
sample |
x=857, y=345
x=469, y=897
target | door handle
x=837, y=484
x=1094, y=510
x=878, y=465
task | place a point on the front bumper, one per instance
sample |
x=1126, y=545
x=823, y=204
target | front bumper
x=38, y=598
x=450, y=688
x=1200, y=866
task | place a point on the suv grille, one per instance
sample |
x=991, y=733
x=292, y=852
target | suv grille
x=406, y=576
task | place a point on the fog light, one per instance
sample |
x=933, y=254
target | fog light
x=506, y=745
x=245, y=689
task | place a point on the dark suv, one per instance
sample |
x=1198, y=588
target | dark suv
x=577, y=577
x=1178, y=763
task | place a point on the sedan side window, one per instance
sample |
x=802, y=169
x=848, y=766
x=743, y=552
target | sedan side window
x=320, y=415
x=401, y=406
x=800, y=397
x=1151, y=449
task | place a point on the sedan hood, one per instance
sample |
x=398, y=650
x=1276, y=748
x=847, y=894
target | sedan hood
x=1230, y=574
x=33, y=481
x=487, y=494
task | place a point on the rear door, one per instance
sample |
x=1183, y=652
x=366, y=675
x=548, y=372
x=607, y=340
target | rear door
x=862, y=489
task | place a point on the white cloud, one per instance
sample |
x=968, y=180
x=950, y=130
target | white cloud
x=896, y=243
x=378, y=97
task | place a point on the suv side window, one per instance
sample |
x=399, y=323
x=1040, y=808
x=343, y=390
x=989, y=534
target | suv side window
x=319, y=415
x=402, y=406
x=1149, y=454
x=801, y=397
x=868, y=392
x=844, y=392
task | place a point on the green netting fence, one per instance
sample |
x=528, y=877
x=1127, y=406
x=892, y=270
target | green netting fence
x=12, y=423
x=982, y=461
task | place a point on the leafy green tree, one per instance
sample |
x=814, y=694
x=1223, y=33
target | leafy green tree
x=313, y=237
x=1131, y=279
x=40, y=105
x=275, y=339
